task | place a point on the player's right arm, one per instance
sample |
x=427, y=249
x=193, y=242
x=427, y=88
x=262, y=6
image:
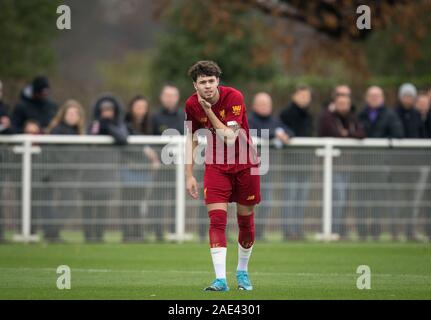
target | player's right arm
x=191, y=144
x=191, y=183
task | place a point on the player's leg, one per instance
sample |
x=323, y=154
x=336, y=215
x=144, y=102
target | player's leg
x=247, y=195
x=245, y=216
x=217, y=191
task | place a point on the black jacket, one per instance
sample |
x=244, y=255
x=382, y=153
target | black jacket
x=43, y=111
x=258, y=122
x=386, y=125
x=165, y=119
x=115, y=128
x=425, y=131
x=64, y=129
x=4, y=112
x=411, y=120
x=298, y=120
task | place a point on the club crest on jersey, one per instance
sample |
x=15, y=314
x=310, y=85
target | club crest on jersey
x=204, y=120
x=236, y=110
x=223, y=114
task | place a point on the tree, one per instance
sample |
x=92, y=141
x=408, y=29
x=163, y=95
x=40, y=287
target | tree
x=26, y=31
x=229, y=33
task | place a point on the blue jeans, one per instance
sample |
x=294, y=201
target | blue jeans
x=339, y=196
x=295, y=194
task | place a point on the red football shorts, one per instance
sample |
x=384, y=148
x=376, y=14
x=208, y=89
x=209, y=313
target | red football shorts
x=224, y=187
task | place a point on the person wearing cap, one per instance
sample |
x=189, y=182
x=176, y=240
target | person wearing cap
x=410, y=117
x=34, y=104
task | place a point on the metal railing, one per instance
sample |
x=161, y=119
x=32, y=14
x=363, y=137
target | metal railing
x=320, y=187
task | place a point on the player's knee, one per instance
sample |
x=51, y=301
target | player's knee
x=218, y=219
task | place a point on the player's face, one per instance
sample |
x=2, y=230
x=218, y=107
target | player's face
x=207, y=86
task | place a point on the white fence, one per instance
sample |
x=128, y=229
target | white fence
x=321, y=186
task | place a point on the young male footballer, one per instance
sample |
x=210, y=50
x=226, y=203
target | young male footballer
x=231, y=166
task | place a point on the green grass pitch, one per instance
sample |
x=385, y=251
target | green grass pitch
x=179, y=272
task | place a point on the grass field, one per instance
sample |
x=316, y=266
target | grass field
x=170, y=271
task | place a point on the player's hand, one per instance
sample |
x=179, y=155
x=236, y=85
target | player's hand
x=192, y=187
x=205, y=104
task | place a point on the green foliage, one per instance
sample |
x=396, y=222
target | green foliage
x=234, y=37
x=401, y=51
x=26, y=30
x=129, y=76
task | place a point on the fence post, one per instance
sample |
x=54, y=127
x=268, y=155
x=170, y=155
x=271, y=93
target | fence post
x=26, y=150
x=180, y=203
x=328, y=152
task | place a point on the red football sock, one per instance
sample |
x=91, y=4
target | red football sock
x=217, y=232
x=246, y=231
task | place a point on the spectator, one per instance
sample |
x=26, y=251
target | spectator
x=5, y=123
x=5, y=128
x=410, y=117
x=35, y=104
x=169, y=116
x=341, y=89
x=412, y=124
x=379, y=122
x=261, y=118
x=70, y=120
x=32, y=127
x=137, y=182
x=340, y=123
x=107, y=120
x=296, y=115
x=423, y=104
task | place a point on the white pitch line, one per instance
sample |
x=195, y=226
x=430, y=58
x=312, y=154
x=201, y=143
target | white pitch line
x=257, y=273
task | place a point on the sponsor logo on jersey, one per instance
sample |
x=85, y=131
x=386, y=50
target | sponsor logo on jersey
x=250, y=198
x=236, y=110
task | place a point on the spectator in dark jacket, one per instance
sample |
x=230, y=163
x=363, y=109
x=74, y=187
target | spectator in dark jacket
x=340, y=123
x=423, y=104
x=296, y=115
x=342, y=89
x=35, y=104
x=170, y=115
x=378, y=122
x=261, y=118
x=108, y=119
x=412, y=124
x=5, y=128
x=70, y=120
x=298, y=181
x=5, y=123
x=410, y=117
x=137, y=181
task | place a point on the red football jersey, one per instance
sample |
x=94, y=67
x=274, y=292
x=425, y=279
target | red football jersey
x=229, y=108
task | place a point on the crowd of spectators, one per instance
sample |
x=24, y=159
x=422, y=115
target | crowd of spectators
x=37, y=113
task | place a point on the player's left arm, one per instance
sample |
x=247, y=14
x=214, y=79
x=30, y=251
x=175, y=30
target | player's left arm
x=228, y=132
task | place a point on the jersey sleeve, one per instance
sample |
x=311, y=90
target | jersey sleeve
x=191, y=123
x=235, y=109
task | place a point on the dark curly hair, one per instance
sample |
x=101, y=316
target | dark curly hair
x=204, y=68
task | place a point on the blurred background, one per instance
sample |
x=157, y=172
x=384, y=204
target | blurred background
x=129, y=46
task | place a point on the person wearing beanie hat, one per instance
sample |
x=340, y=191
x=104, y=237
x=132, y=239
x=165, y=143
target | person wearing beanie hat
x=412, y=124
x=409, y=116
x=34, y=104
x=40, y=86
